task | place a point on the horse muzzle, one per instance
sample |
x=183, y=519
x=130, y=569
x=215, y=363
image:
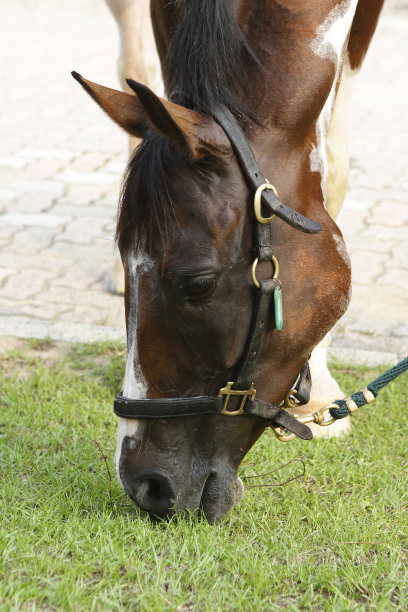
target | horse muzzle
x=162, y=492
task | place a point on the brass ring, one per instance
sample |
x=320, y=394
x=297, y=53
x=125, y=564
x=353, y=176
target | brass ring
x=282, y=437
x=257, y=202
x=289, y=401
x=253, y=270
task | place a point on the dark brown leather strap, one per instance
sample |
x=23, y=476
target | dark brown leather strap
x=203, y=404
x=278, y=417
x=255, y=178
x=257, y=334
x=156, y=408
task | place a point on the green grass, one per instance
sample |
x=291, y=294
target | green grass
x=336, y=539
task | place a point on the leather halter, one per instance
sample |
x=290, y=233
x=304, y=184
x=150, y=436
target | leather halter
x=153, y=408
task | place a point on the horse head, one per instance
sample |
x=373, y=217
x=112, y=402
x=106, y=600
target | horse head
x=185, y=233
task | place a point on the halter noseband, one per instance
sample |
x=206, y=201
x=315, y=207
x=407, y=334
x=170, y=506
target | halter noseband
x=267, y=291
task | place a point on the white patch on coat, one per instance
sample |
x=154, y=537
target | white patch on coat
x=341, y=249
x=134, y=386
x=329, y=43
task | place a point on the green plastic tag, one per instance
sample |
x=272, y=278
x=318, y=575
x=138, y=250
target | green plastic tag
x=278, y=306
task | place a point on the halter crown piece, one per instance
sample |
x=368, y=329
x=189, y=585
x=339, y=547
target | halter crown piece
x=268, y=291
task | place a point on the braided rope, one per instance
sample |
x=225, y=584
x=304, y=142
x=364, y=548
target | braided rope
x=377, y=384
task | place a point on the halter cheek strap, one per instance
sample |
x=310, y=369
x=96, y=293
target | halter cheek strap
x=242, y=387
x=255, y=178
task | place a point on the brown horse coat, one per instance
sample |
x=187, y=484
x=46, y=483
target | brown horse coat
x=185, y=225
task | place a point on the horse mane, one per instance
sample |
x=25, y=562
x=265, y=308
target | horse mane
x=208, y=60
x=206, y=65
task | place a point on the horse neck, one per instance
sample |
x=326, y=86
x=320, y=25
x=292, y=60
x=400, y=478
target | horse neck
x=294, y=96
x=287, y=97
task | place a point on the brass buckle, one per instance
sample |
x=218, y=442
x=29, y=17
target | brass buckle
x=257, y=202
x=228, y=391
x=282, y=437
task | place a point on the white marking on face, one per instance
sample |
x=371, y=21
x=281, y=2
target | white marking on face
x=134, y=386
x=329, y=44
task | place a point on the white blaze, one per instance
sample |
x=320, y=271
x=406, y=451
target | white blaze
x=134, y=385
x=330, y=38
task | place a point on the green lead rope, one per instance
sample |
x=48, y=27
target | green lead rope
x=377, y=384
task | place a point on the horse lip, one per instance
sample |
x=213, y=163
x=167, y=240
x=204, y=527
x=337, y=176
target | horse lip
x=212, y=504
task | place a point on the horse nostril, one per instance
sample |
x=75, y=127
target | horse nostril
x=153, y=491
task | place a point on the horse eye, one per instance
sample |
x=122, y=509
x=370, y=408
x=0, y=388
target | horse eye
x=198, y=288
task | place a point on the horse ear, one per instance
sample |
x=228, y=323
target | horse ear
x=196, y=134
x=125, y=109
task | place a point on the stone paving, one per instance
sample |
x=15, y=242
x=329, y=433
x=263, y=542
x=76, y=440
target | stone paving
x=61, y=161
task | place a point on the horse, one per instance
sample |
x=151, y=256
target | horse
x=235, y=269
